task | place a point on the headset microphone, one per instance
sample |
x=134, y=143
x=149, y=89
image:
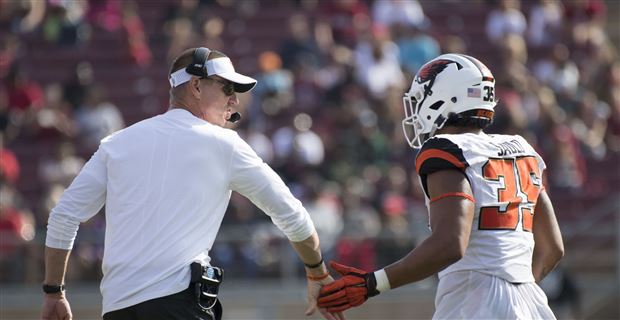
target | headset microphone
x=234, y=117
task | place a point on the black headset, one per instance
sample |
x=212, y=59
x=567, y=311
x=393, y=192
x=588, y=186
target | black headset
x=198, y=68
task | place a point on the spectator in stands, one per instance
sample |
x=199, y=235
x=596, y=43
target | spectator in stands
x=260, y=143
x=21, y=16
x=274, y=89
x=394, y=240
x=105, y=14
x=590, y=124
x=585, y=27
x=545, y=23
x=24, y=99
x=180, y=26
x=138, y=43
x=415, y=48
x=512, y=117
x=334, y=73
x=345, y=18
x=506, y=19
x=453, y=44
x=52, y=194
x=325, y=209
x=212, y=31
x=97, y=118
x=397, y=12
x=17, y=229
x=7, y=128
x=550, y=115
x=24, y=94
x=308, y=87
x=180, y=33
x=613, y=96
x=580, y=11
x=300, y=48
x=56, y=119
x=62, y=167
x=362, y=225
x=184, y=9
x=83, y=79
x=377, y=62
x=567, y=166
x=522, y=102
x=9, y=165
x=299, y=144
x=595, y=61
x=283, y=146
x=558, y=71
x=324, y=35
x=64, y=23
x=308, y=144
x=9, y=50
x=88, y=248
x=416, y=205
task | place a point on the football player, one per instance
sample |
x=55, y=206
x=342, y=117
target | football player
x=494, y=231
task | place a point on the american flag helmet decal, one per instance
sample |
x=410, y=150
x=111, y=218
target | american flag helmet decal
x=473, y=93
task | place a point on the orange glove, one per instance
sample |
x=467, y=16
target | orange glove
x=353, y=289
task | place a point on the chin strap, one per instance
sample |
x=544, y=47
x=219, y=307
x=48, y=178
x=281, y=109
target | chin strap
x=432, y=132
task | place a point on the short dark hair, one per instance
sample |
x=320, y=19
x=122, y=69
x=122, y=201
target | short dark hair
x=478, y=118
x=185, y=58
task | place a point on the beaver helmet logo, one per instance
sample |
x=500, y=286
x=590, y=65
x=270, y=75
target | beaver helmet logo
x=428, y=73
x=432, y=69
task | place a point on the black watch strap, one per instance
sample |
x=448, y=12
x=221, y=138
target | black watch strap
x=53, y=288
x=316, y=265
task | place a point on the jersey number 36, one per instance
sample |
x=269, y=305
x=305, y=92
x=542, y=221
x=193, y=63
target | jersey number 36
x=519, y=183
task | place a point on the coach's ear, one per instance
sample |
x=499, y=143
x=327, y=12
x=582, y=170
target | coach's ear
x=194, y=87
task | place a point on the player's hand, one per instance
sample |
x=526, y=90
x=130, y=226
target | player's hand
x=56, y=307
x=353, y=289
x=314, y=286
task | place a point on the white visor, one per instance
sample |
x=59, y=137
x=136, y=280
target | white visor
x=221, y=67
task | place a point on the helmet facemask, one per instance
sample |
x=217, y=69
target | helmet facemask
x=420, y=125
x=413, y=127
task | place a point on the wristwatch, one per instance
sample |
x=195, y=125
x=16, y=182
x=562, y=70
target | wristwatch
x=53, y=288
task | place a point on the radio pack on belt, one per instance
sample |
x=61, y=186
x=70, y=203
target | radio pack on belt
x=206, y=281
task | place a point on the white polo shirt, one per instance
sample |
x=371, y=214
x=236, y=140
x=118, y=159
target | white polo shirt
x=166, y=182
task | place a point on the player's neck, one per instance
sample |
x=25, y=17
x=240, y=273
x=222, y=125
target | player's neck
x=458, y=130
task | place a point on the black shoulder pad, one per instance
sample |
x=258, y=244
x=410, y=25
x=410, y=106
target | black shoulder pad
x=439, y=154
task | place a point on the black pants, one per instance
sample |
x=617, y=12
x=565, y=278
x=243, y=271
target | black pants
x=178, y=306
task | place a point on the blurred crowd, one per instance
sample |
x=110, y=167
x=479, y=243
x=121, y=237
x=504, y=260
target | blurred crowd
x=326, y=113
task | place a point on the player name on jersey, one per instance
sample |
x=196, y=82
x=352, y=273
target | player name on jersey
x=509, y=148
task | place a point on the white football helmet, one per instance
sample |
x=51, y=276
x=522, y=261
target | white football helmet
x=450, y=83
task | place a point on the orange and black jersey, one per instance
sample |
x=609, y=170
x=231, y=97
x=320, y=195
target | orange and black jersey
x=505, y=175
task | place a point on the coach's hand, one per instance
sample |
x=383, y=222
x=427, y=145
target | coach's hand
x=314, y=286
x=56, y=307
x=353, y=289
